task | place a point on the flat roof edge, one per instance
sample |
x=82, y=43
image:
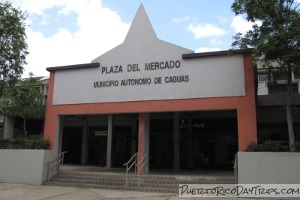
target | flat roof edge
x=78, y=66
x=215, y=53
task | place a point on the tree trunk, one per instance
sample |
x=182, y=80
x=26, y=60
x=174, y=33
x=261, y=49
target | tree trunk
x=289, y=115
x=24, y=128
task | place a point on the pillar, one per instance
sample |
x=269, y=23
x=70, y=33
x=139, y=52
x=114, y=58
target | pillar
x=143, y=140
x=109, y=142
x=246, y=111
x=60, y=133
x=190, y=144
x=247, y=126
x=84, y=143
x=133, y=141
x=176, y=159
x=9, y=123
x=51, y=128
x=59, y=137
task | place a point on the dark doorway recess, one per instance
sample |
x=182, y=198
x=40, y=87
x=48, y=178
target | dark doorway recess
x=207, y=140
x=97, y=146
x=71, y=142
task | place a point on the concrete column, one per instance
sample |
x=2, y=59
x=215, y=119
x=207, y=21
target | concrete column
x=59, y=136
x=133, y=141
x=9, y=123
x=109, y=142
x=60, y=133
x=246, y=111
x=176, y=159
x=190, y=144
x=143, y=144
x=247, y=126
x=84, y=144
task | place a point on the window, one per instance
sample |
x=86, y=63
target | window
x=281, y=88
x=262, y=78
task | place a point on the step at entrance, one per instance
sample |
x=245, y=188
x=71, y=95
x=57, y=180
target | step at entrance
x=147, y=183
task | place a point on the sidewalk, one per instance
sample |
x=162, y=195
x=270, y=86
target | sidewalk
x=31, y=192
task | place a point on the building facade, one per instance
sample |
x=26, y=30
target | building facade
x=183, y=110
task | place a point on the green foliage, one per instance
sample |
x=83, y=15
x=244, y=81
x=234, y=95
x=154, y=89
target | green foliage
x=24, y=100
x=274, y=40
x=270, y=146
x=13, y=46
x=276, y=35
x=24, y=144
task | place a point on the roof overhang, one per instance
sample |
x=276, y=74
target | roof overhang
x=215, y=53
x=78, y=66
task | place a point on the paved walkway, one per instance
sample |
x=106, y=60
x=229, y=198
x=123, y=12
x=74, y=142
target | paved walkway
x=30, y=192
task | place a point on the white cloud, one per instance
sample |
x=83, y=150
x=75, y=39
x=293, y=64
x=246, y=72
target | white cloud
x=205, y=30
x=179, y=20
x=216, y=42
x=187, y=19
x=222, y=19
x=37, y=7
x=99, y=30
x=241, y=25
x=206, y=49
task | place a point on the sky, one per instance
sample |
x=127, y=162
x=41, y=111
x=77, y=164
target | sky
x=66, y=32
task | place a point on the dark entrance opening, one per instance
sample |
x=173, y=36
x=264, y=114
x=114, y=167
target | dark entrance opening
x=85, y=138
x=97, y=146
x=124, y=138
x=71, y=142
x=161, y=141
x=121, y=146
x=207, y=140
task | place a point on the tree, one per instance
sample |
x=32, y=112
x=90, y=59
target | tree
x=275, y=39
x=13, y=46
x=24, y=100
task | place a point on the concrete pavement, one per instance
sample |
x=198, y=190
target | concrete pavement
x=30, y=192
